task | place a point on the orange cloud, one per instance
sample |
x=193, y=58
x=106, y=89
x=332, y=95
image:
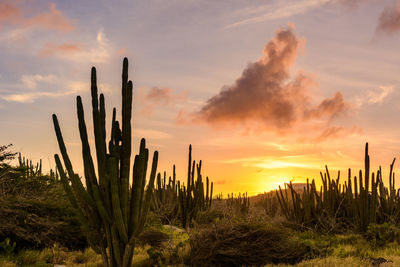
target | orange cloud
x=329, y=107
x=266, y=95
x=220, y=181
x=336, y=132
x=53, y=49
x=389, y=20
x=120, y=52
x=54, y=19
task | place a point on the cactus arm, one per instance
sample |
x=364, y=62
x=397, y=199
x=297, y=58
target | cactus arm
x=115, y=199
x=138, y=185
x=149, y=190
x=99, y=136
x=76, y=182
x=91, y=181
x=65, y=182
x=126, y=138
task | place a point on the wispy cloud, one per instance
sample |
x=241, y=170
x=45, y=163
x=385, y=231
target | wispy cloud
x=275, y=162
x=283, y=10
x=311, y=159
x=31, y=81
x=99, y=51
x=157, y=96
x=377, y=97
x=153, y=134
x=50, y=49
x=337, y=132
x=31, y=96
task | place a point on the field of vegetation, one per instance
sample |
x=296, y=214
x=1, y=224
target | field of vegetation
x=154, y=218
x=39, y=227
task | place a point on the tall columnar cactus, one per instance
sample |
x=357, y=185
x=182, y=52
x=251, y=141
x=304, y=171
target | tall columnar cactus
x=112, y=211
x=359, y=201
x=270, y=203
x=191, y=197
x=165, y=200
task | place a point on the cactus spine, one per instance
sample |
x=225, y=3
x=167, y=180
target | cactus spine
x=112, y=212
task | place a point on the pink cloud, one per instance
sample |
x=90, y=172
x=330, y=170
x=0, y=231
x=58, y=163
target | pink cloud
x=389, y=20
x=8, y=12
x=156, y=96
x=54, y=19
x=267, y=96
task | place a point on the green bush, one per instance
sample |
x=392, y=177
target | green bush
x=27, y=257
x=210, y=216
x=39, y=224
x=152, y=237
x=35, y=212
x=381, y=234
x=7, y=247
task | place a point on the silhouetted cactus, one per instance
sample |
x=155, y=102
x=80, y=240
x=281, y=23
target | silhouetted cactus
x=191, y=197
x=238, y=204
x=270, y=204
x=172, y=201
x=112, y=212
x=29, y=169
x=359, y=201
x=165, y=200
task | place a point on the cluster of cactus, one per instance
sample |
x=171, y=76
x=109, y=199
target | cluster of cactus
x=270, y=203
x=112, y=212
x=191, y=196
x=54, y=174
x=29, y=169
x=238, y=204
x=174, y=201
x=165, y=200
x=219, y=197
x=359, y=201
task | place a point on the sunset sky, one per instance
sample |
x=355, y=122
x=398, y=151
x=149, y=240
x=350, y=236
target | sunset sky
x=265, y=91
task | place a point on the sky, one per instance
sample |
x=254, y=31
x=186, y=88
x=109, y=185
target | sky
x=266, y=92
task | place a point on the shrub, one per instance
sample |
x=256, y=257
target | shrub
x=210, y=216
x=27, y=257
x=154, y=238
x=35, y=212
x=7, y=247
x=39, y=224
x=381, y=234
x=244, y=243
